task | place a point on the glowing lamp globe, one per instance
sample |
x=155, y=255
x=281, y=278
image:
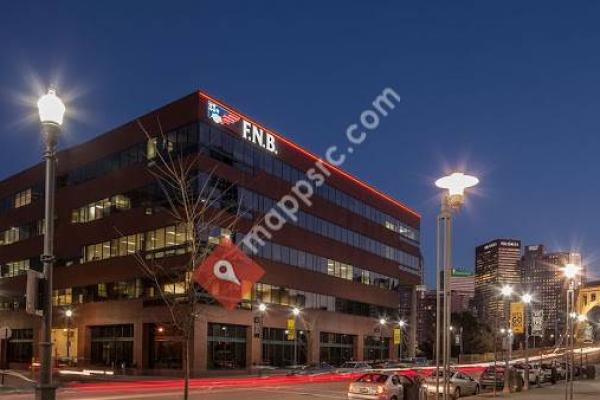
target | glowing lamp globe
x=69, y=313
x=296, y=311
x=401, y=324
x=581, y=318
x=382, y=321
x=506, y=290
x=456, y=183
x=570, y=271
x=51, y=108
x=527, y=298
x=262, y=307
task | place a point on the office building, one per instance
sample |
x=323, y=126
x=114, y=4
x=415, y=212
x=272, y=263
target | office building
x=350, y=258
x=496, y=264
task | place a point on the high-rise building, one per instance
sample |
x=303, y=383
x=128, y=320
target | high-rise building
x=542, y=276
x=462, y=289
x=346, y=260
x=496, y=264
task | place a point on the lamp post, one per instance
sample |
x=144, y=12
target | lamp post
x=526, y=299
x=382, y=323
x=262, y=308
x=401, y=325
x=453, y=198
x=51, y=110
x=69, y=314
x=570, y=271
x=581, y=319
x=506, y=292
x=296, y=313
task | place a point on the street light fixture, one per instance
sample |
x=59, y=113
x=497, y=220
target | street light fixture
x=570, y=271
x=507, y=291
x=262, y=307
x=51, y=111
x=453, y=198
x=526, y=298
x=295, y=313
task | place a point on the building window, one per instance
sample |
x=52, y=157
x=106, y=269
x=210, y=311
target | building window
x=20, y=346
x=336, y=348
x=376, y=347
x=112, y=345
x=166, y=349
x=100, y=209
x=14, y=268
x=226, y=346
x=23, y=198
x=278, y=351
x=62, y=297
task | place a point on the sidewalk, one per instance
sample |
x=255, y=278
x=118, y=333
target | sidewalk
x=584, y=389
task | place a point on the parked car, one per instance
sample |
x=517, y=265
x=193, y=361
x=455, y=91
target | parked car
x=495, y=376
x=376, y=386
x=353, y=366
x=391, y=364
x=550, y=373
x=311, y=369
x=459, y=384
x=536, y=375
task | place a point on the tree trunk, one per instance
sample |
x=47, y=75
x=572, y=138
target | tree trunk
x=186, y=373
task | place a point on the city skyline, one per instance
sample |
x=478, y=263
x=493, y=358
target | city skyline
x=516, y=131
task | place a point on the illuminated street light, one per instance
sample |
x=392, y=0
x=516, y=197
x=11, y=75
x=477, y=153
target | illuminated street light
x=506, y=290
x=570, y=271
x=51, y=110
x=453, y=198
x=69, y=313
x=382, y=321
x=262, y=307
x=581, y=318
x=296, y=311
x=526, y=298
x=401, y=323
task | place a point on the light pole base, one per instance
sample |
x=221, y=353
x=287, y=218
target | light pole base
x=45, y=392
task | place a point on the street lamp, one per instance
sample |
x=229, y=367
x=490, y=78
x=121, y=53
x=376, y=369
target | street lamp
x=507, y=292
x=570, y=271
x=296, y=313
x=262, y=308
x=526, y=299
x=453, y=198
x=51, y=110
x=382, y=323
x=401, y=325
x=69, y=314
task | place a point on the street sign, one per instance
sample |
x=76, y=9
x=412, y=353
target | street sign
x=397, y=336
x=5, y=333
x=291, y=329
x=517, y=313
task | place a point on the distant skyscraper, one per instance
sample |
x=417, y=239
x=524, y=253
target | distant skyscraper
x=496, y=264
x=462, y=288
x=542, y=276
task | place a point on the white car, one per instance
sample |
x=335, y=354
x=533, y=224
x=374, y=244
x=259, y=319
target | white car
x=460, y=384
x=353, y=366
x=536, y=374
x=376, y=386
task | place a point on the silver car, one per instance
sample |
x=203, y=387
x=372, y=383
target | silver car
x=376, y=386
x=459, y=384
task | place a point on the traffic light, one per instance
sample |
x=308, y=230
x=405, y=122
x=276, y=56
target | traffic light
x=35, y=291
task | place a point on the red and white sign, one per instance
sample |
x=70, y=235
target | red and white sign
x=228, y=274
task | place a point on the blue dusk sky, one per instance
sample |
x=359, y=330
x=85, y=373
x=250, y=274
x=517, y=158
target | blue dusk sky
x=507, y=90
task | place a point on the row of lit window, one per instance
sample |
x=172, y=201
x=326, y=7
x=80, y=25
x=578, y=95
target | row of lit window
x=313, y=262
x=263, y=204
x=100, y=209
x=18, y=233
x=14, y=268
x=16, y=200
x=169, y=236
x=256, y=158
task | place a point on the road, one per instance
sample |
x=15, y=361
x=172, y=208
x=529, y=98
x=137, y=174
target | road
x=324, y=391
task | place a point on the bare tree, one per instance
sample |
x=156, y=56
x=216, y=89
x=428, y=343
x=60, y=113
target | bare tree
x=195, y=206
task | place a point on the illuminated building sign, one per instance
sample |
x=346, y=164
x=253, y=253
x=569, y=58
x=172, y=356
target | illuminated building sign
x=247, y=130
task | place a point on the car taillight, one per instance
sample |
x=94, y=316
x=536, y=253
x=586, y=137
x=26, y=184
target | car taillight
x=380, y=389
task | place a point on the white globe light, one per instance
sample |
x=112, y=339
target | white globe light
x=570, y=271
x=382, y=321
x=506, y=290
x=456, y=183
x=51, y=108
x=69, y=313
x=296, y=311
x=402, y=323
x=527, y=298
x=262, y=307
